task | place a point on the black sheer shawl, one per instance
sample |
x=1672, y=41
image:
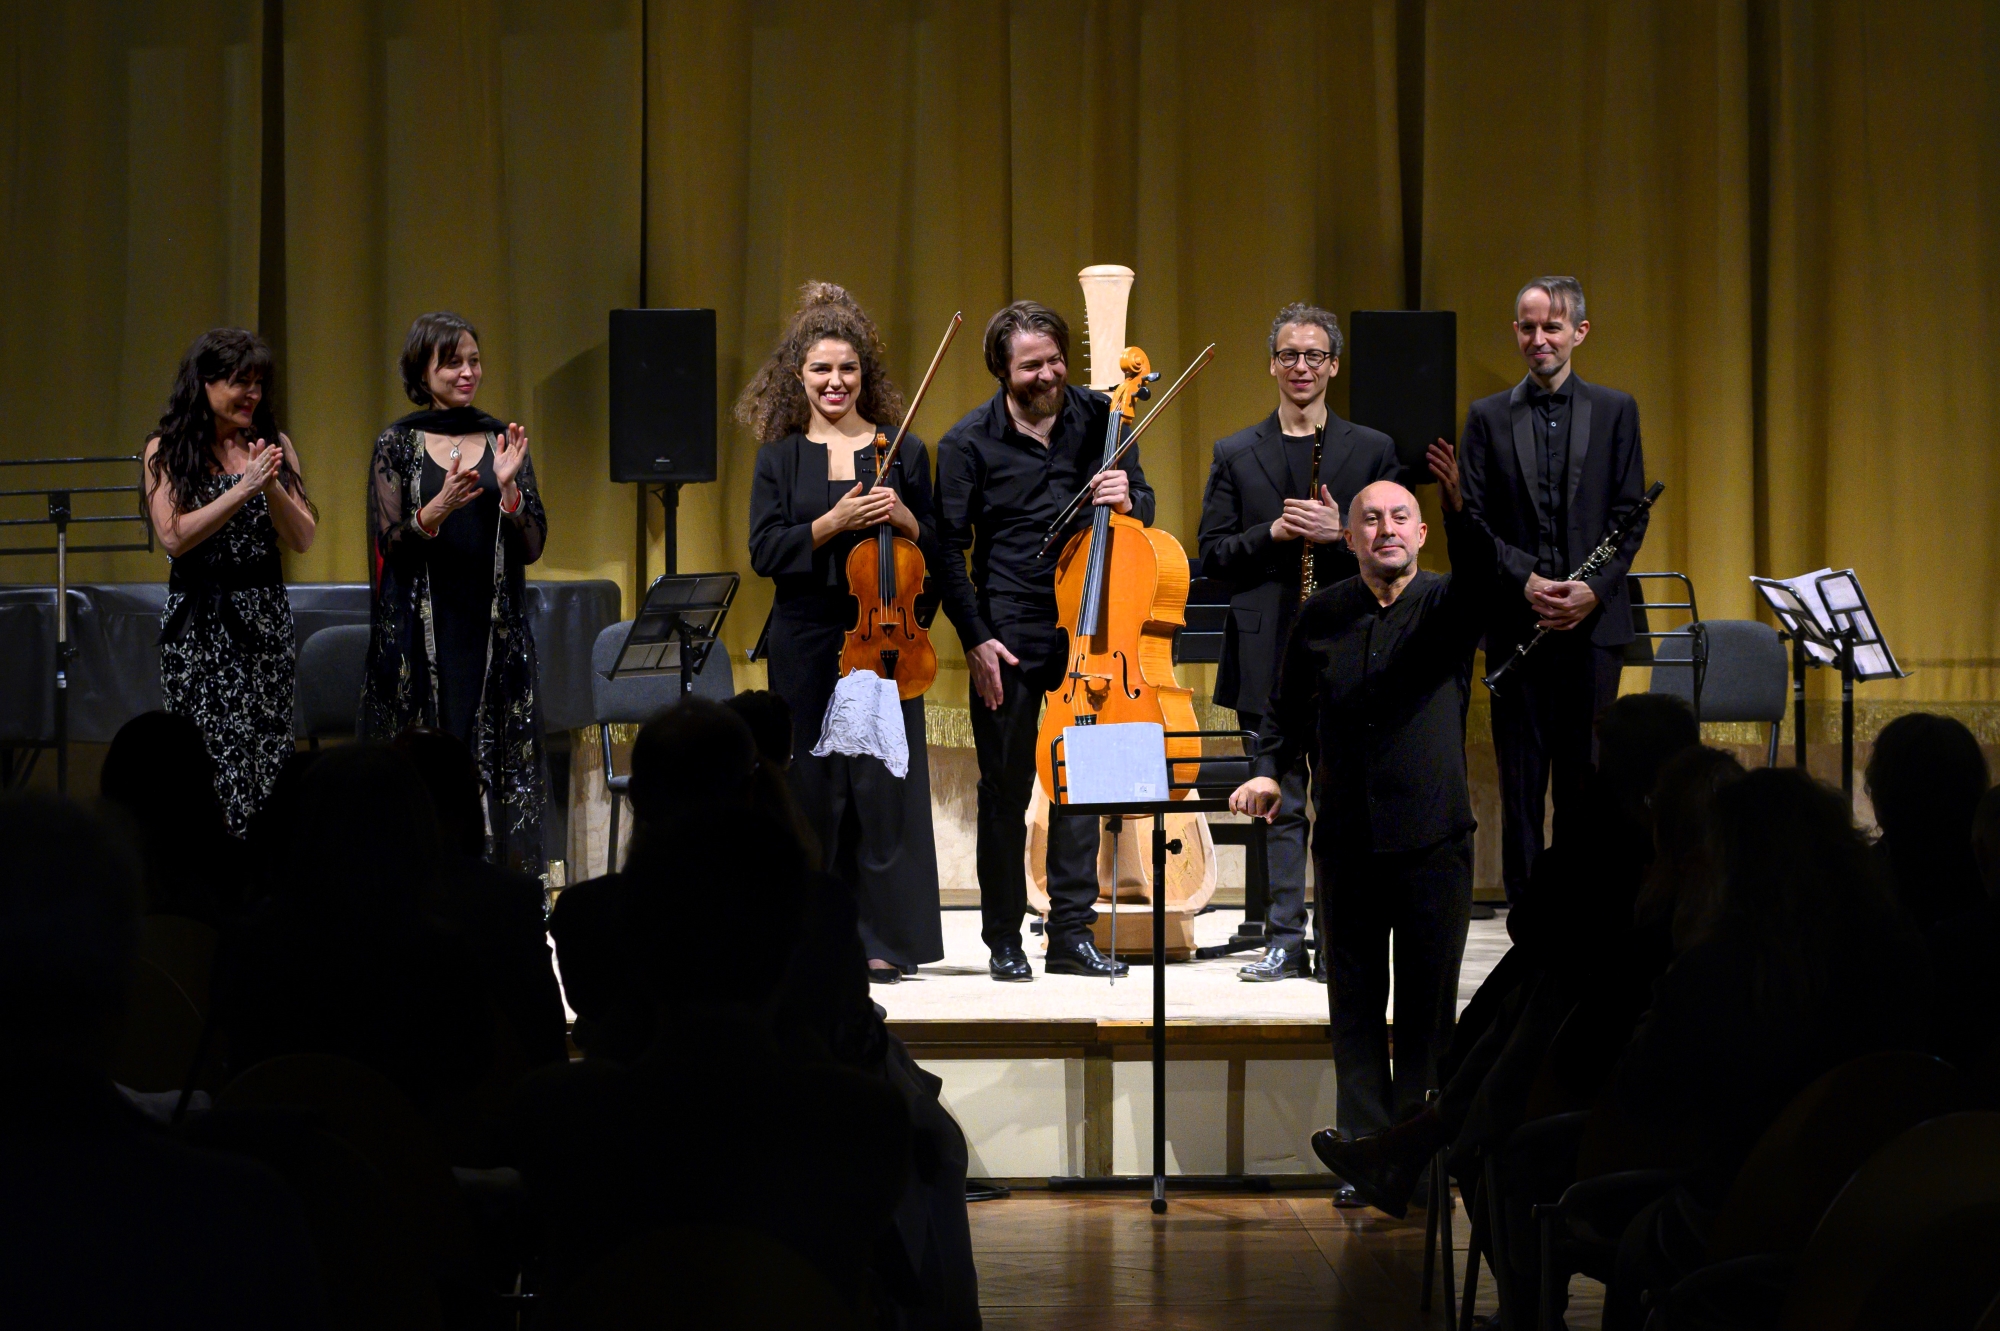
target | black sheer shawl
x=401, y=686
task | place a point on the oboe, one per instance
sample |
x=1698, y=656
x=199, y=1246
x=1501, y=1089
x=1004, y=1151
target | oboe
x=1606, y=551
x=1308, y=557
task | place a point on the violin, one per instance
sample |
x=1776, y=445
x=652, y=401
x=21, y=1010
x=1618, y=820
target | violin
x=886, y=575
x=1121, y=594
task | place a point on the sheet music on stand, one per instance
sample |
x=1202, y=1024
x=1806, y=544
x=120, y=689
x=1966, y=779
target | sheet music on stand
x=1830, y=623
x=677, y=627
x=1827, y=611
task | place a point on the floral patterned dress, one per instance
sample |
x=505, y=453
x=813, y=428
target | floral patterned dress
x=228, y=657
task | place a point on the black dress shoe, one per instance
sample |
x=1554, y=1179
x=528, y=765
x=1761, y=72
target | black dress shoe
x=884, y=975
x=1009, y=963
x=1079, y=956
x=1279, y=963
x=1384, y=1166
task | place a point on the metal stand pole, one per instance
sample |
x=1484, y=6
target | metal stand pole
x=59, y=514
x=1160, y=848
x=1847, y=720
x=1798, y=703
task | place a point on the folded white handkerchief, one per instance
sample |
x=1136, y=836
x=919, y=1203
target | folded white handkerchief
x=865, y=720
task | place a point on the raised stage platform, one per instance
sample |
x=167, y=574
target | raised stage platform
x=1052, y=1078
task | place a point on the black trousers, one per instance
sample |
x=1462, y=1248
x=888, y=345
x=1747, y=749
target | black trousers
x=1544, y=737
x=1004, y=738
x=1420, y=899
x=1285, y=921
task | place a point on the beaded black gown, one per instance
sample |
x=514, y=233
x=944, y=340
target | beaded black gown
x=228, y=657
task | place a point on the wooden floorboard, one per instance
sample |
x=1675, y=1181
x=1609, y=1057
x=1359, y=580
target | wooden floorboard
x=1104, y=1260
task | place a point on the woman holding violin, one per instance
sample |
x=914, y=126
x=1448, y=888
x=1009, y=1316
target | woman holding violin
x=818, y=406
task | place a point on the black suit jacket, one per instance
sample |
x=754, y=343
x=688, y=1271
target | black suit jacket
x=1248, y=483
x=1607, y=478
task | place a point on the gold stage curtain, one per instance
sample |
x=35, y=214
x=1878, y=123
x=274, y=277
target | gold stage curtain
x=1784, y=214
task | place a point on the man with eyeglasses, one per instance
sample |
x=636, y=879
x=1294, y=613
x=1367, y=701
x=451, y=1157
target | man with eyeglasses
x=1258, y=509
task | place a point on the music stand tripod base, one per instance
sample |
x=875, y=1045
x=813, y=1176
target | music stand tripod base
x=1158, y=810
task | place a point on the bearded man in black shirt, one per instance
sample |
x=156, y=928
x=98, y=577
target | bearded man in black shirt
x=1004, y=474
x=1375, y=682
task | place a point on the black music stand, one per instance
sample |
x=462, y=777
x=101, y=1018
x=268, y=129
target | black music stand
x=61, y=515
x=1826, y=616
x=1158, y=810
x=677, y=627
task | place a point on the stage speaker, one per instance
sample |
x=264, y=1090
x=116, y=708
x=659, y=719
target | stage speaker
x=1403, y=379
x=663, y=395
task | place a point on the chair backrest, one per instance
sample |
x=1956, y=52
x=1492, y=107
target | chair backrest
x=1815, y=1146
x=366, y=1110
x=636, y=700
x=1916, y=1224
x=332, y=664
x=712, y=1276
x=184, y=949
x=1747, y=677
x=1646, y=636
x=161, y=1034
x=1199, y=639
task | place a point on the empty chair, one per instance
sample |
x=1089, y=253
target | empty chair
x=635, y=700
x=331, y=665
x=1746, y=675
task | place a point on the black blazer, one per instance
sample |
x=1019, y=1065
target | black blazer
x=789, y=491
x=1248, y=483
x=1607, y=479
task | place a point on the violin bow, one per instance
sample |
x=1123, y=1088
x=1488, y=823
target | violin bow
x=889, y=457
x=1063, y=519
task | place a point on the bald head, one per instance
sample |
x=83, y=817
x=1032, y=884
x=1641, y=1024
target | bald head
x=1385, y=529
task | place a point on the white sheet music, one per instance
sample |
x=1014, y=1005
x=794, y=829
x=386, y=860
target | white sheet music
x=1830, y=604
x=1115, y=764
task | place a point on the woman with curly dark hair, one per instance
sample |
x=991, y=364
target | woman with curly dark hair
x=223, y=492
x=456, y=518
x=816, y=406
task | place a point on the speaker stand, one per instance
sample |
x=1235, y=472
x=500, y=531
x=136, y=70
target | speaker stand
x=670, y=503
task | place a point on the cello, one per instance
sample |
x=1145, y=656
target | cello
x=1121, y=594
x=886, y=575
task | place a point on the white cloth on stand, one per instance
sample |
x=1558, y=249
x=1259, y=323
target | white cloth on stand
x=865, y=720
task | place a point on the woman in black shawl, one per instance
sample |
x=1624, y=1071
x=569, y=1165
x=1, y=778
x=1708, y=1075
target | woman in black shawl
x=456, y=519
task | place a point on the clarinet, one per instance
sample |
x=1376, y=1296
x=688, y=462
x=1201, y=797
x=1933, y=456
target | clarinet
x=1309, y=557
x=1606, y=551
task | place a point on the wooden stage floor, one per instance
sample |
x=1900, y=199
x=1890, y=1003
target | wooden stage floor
x=1085, y=1262
x=957, y=989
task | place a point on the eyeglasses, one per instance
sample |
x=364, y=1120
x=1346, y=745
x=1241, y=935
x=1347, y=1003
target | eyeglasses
x=1314, y=358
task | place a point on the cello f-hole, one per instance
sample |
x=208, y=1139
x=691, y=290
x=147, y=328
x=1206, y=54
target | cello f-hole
x=1125, y=674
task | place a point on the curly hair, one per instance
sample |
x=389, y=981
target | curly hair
x=774, y=404
x=186, y=456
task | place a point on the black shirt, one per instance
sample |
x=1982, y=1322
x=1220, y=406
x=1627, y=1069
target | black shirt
x=1551, y=416
x=1387, y=688
x=997, y=492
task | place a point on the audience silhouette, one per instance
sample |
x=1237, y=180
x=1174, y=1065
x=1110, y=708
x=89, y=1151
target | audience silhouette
x=1703, y=946
x=158, y=778
x=104, y=1220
